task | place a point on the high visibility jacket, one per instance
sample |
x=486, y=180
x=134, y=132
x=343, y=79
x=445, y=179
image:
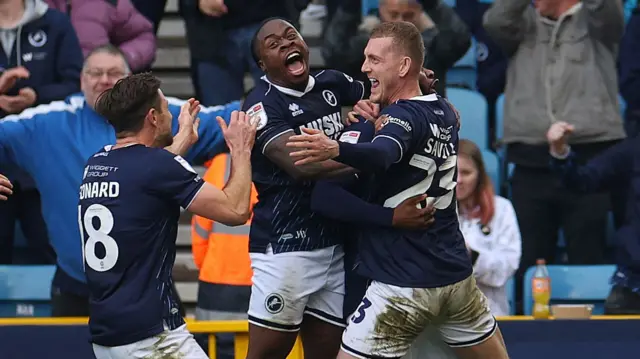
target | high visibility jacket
x=220, y=252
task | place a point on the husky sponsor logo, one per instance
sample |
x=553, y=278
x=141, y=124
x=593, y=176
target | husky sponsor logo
x=330, y=124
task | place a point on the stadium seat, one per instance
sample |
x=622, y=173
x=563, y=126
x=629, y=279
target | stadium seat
x=25, y=291
x=492, y=166
x=623, y=105
x=510, y=288
x=573, y=284
x=368, y=6
x=463, y=73
x=473, y=115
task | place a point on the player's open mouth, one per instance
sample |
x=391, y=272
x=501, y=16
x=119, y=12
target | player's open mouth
x=295, y=63
x=374, y=83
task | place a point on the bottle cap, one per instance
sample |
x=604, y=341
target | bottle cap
x=540, y=261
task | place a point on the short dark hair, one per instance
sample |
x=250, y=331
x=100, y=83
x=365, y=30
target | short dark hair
x=407, y=37
x=127, y=103
x=255, y=51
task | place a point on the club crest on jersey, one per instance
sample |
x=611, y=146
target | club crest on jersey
x=295, y=110
x=330, y=98
x=274, y=303
x=258, y=113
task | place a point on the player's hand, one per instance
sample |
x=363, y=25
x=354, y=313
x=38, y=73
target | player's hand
x=455, y=110
x=428, y=81
x=9, y=77
x=557, y=137
x=366, y=109
x=215, y=8
x=5, y=188
x=314, y=147
x=408, y=214
x=13, y=104
x=188, y=120
x=240, y=135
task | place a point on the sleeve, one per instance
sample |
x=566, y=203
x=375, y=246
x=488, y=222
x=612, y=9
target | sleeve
x=602, y=171
x=358, y=132
x=494, y=267
x=398, y=127
x=139, y=45
x=271, y=125
x=20, y=134
x=351, y=208
x=174, y=179
x=451, y=40
x=68, y=64
x=351, y=91
x=606, y=21
x=628, y=60
x=210, y=139
x=507, y=21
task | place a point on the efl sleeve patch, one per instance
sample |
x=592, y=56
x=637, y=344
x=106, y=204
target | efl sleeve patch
x=350, y=137
x=258, y=113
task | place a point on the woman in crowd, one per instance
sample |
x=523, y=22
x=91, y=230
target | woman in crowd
x=490, y=227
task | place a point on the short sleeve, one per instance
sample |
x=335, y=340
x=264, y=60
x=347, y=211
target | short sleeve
x=271, y=123
x=399, y=127
x=351, y=90
x=175, y=179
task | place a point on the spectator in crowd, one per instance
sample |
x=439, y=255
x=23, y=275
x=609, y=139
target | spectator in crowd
x=221, y=254
x=490, y=227
x=446, y=37
x=316, y=10
x=101, y=22
x=629, y=67
x=616, y=165
x=219, y=35
x=41, y=63
x=66, y=134
x=562, y=67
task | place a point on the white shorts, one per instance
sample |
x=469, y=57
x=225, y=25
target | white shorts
x=288, y=285
x=177, y=343
x=390, y=318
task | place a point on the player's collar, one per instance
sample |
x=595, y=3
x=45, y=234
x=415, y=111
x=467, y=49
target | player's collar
x=430, y=97
x=292, y=92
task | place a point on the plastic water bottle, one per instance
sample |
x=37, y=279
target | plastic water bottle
x=541, y=289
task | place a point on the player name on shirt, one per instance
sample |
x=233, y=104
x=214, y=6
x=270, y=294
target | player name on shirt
x=282, y=217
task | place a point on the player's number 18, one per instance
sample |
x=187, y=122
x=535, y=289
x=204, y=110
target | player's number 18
x=98, y=235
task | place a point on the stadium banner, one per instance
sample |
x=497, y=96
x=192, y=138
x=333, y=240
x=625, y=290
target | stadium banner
x=601, y=337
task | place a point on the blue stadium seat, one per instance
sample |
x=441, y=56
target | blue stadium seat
x=573, y=284
x=473, y=115
x=463, y=73
x=623, y=105
x=25, y=291
x=368, y=6
x=492, y=166
x=510, y=288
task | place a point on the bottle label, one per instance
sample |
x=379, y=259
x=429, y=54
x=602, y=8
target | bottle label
x=540, y=285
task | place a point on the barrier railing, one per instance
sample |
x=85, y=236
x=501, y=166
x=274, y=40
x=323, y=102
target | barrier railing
x=511, y=329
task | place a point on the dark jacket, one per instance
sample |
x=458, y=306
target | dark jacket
x=445, y=44
x=629, y=67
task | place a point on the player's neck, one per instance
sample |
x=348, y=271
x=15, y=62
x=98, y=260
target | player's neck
x=133, y=140
x=298, y=87
x=406, y=91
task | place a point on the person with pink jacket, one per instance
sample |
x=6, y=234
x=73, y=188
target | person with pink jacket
x=100, y=22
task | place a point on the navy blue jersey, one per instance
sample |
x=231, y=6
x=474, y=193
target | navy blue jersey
x=282, y=216
x=425, y=130
x=130, y=201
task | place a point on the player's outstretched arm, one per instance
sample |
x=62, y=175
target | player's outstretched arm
x=231, y=205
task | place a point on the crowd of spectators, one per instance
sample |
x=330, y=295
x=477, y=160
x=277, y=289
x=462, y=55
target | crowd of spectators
x=554, y=61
